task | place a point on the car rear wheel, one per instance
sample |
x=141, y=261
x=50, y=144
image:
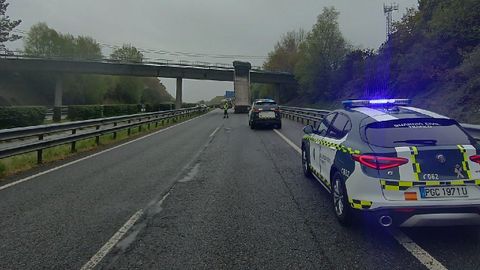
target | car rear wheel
x=342, y=209
x=306, y=162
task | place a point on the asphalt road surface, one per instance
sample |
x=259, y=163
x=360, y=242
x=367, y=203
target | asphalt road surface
x=206, y=194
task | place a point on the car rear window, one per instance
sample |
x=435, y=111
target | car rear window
x=415, y=132
x=261, y=103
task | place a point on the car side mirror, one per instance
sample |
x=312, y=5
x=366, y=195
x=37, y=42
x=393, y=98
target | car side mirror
x=308, y=129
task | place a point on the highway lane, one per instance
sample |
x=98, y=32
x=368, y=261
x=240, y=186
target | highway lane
x=246, y=204
x=215, y=194
x=60, y=219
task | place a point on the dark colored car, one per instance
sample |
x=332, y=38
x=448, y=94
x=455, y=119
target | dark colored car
x=264, y=112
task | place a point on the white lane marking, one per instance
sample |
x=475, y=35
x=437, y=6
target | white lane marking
x=215, y=131
x=289, y=142
x=423, y=256
x=92, y=155
x=418, y=252
x=112, y=242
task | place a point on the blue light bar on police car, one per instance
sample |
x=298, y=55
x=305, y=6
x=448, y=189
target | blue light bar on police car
x=375, y=102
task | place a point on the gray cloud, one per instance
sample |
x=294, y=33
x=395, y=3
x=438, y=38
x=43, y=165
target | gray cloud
x=246, y=27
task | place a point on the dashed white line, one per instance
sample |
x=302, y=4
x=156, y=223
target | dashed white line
x=112, y=242
x=289, y=142
x=418, y=252
x=215, y=131
x=92, y=155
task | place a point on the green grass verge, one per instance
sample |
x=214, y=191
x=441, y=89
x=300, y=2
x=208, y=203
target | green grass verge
x=12, y=165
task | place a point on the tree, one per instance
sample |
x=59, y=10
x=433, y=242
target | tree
x=6, y=26
x=284, y=57
x=46, y=42
x=127, y=53
x=321, y=55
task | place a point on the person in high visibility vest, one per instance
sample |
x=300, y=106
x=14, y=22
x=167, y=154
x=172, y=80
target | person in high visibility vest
x=225, y=110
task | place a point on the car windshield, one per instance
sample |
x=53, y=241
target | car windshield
x=415, y=132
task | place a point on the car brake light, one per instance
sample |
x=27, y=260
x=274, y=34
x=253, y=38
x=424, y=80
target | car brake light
x=475, y=158
x=379, y=163
x=256, y=110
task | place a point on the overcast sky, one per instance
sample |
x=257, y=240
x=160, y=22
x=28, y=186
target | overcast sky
x=226, y=27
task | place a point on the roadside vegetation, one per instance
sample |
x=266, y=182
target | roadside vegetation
x=432, y=57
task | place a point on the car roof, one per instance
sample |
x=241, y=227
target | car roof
x=379, y=114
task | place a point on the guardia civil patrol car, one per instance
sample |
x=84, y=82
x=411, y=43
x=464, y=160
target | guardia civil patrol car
x=402, y=165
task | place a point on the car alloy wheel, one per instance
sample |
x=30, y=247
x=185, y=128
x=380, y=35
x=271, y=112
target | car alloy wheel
x=338, y=197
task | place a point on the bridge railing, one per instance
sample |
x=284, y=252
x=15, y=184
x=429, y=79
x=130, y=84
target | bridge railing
x=146, y=61
x=23, y=140
x=310, y=116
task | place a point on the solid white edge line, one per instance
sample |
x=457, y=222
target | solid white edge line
x=289, y=142
x=215, y=131
x=93, y=155
x=418, y=252
x=105, y=249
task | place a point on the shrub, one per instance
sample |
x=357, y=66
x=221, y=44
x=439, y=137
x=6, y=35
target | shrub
x=159, y=107
x=84, y=112
x=189, y=105
x=11, y=117
x=120, y=109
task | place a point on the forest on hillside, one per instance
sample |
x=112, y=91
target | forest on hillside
x=432, y=57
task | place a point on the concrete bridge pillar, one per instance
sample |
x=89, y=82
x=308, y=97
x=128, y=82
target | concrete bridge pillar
x=57, y=107
x=241, y=86
x=178, y=95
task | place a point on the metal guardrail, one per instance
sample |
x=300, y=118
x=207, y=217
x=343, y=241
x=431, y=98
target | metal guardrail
x=313, y=116
x=304, y=115
x=23, y=140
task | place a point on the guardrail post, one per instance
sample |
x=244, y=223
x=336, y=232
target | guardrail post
x=115, y=133
x=140, y=126
x=97, y=138
x=129, y=130
x=73, y=144
x=40, y=152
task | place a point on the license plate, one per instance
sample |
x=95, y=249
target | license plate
x=443, y=192
x=267, y=115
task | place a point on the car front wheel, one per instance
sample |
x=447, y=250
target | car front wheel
x=306, y=162
x=340, y=200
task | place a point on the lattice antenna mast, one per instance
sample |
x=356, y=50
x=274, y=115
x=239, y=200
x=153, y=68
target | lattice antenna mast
x=388, y=10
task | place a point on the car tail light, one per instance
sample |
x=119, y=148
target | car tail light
x=256, y=110
x=379, y=163
x=475, y=158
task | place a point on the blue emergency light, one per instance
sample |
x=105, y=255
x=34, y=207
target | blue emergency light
x=352, y=103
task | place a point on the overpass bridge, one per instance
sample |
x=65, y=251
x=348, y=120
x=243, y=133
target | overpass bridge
x=177, y=70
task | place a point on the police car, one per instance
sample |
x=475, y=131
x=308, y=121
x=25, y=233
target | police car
x=402, y=165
